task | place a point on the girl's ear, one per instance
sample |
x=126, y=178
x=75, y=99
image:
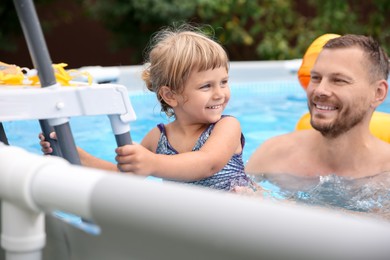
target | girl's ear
x=168, y=96
x=381, y=89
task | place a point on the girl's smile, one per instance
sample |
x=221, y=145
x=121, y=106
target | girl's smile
x=205, y=96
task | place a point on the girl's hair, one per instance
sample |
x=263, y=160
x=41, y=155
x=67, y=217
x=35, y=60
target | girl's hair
x=377, y=60
x=173, y=53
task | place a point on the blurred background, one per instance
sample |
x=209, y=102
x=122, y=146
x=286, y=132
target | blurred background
x=116, y=32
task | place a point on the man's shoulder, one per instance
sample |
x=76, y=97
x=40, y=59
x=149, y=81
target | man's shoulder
x=382, y=152
x=278, y=153
x=290, y=139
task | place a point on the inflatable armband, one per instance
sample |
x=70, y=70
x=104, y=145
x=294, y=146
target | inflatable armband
x=310, y=57
x=379, y=125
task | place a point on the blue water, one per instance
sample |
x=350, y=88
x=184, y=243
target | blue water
x=264, y=109
x=368, y=196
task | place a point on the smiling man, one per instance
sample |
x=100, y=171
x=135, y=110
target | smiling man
x=347, y=83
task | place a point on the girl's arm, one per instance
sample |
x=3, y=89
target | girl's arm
x=85, y=158
x=224, y=141
x=89, y=160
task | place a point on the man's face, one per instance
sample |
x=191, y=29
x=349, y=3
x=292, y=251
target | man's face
x=339, y=93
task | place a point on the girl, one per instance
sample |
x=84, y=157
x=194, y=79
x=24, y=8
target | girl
x=189, y=74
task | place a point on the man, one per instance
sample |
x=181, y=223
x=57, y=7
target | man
x=347, y=83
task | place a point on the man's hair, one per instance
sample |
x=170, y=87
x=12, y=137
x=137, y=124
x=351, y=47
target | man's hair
x=377, y=59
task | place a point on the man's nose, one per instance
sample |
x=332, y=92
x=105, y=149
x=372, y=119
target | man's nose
x=322, y=89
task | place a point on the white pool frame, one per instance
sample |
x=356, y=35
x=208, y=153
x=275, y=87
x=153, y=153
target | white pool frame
x=148, y=220
x=240, y=72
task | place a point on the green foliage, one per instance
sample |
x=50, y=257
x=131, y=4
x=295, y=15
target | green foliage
x=249, y=29
x=9, y=25
x=359, y=17
x=133, y=22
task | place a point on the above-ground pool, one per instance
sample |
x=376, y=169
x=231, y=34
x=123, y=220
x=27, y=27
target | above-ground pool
x=264, y=109
x=136, y=215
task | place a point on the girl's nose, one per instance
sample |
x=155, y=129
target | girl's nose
x=218, y=92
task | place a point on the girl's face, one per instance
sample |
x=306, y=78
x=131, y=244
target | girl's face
x=205, y=96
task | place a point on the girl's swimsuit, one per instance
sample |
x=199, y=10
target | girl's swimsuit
x=233, y=174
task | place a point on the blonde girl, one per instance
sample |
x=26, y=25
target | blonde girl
x=188, y=71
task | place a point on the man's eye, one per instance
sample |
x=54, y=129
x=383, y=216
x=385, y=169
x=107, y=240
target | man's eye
x=315, y=78
x=339, y=81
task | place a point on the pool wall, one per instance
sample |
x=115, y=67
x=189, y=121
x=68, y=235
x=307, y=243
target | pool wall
x=151, y=220
x=240, y=72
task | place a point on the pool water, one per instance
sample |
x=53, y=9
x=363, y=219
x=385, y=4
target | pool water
x=265, y=110
x=368, y=196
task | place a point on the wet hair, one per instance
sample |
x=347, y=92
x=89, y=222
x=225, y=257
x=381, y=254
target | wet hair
x=376, y=56
x=173, y=53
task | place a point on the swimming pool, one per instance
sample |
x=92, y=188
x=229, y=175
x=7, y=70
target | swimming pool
x=264, y=109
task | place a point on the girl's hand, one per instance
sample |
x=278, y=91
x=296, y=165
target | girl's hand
x=45, y=145
x=251, y=190
x=135, y=158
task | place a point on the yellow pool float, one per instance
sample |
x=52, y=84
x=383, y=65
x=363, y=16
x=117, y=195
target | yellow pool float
x=379, y=125
x=310, y=57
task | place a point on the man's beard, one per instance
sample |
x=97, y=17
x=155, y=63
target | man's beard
x=340, y=125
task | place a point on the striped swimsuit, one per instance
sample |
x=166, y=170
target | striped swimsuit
x=233, y=174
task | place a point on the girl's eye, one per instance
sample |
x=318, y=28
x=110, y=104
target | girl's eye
x=224, y=83
x=207, y=86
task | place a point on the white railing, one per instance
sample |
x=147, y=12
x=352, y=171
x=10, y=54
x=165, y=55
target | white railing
x=141, y=219
x=54, y=103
